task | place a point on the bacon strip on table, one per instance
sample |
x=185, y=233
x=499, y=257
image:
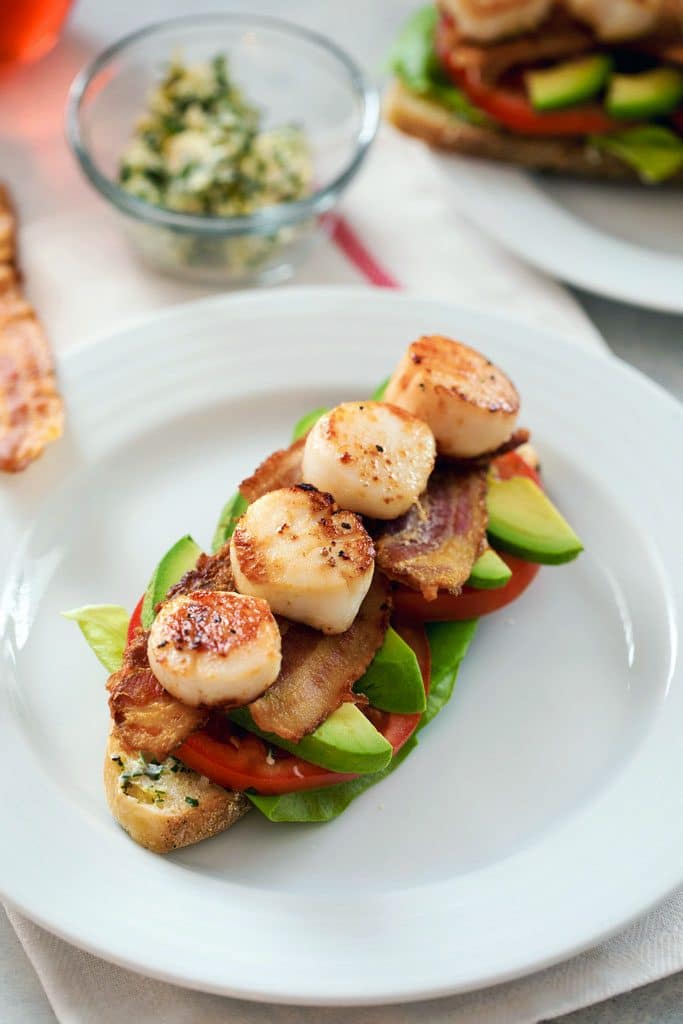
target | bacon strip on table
x=318, y=671
x=435, y=544
x=281, y=469
x=31, y=411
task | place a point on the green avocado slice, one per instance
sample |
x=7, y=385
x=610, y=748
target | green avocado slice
x=569, y=83
x=302, y=426
x=347, y=741
x=523, y=521
x=176, y=562
x=649, y=94
x=234, y=507
x=393, y=681
x=489, y=572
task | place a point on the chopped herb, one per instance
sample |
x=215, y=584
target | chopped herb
x=202, y=147
x=191, y=801
x=151, y=769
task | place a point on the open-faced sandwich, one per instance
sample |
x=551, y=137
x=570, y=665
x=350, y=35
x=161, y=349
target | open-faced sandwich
x=292, y=668
x=577, y=86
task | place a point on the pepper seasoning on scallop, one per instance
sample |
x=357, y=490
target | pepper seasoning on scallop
x=373, y=458
x=469, y=403
x=310, y=560
x=214, y=648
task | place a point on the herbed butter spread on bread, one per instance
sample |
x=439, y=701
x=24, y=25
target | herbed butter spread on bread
x=293, y=667
x=578, y=86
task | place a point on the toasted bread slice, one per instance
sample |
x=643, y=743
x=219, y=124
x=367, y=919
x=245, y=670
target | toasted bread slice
x=443, y=129
x=177, y=808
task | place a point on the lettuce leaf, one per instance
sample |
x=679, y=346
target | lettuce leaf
x=393, y=681
x=378, y=393
x=654, y=151
x=232, y=510
x=413, y=60
x=448, y=642
x=105, y=627
x=306, y=422
x=324, y=804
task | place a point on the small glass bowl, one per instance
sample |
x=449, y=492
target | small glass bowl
x=291, y=74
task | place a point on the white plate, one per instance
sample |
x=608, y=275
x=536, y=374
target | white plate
x=542, y=810
x=621, y=241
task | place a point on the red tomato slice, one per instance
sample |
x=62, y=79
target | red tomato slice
x=470, y=603
x=511, y=464
x=511, y=108
x=239, y=761
x=135, y=619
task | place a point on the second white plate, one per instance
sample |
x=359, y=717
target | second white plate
x=621, y=241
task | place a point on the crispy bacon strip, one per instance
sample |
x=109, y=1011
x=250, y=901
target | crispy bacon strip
x=212, y=572
x=516, y=440
x=281, y=469
x=435, y=544
x=559, y=36
x=318, y=671
x=31, y=411
x=146, y=717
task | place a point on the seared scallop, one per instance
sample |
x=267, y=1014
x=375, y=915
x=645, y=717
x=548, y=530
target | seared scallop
x=308, y=560
x=372, y=457
x=488, y=20
x=470, y=405
x=618, y=19
x=214, y=648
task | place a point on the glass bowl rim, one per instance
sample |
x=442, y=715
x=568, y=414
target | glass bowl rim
x=263, y=221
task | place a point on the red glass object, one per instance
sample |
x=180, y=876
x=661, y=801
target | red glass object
x=29, y=28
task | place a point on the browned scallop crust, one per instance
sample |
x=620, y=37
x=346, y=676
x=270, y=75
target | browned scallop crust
x=434, y=545
x=344, y=542
x=453, y=368
x=175, y=810
x=281, y=469
x=437, y=126
x=318, y=671
x=220, y=623
x=146, y=716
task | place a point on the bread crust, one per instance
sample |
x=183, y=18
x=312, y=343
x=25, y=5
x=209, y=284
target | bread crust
x=161, y=814
x=443, y=129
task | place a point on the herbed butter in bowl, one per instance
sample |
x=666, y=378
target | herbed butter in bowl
x=222, y=140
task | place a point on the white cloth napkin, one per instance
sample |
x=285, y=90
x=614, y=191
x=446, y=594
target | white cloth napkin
x=83, y=281
x=82, y=277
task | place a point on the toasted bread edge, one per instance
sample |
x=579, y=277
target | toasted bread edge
x=179, y=808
